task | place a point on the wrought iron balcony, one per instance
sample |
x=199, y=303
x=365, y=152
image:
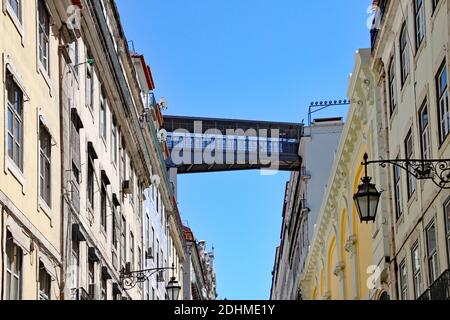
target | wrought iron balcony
x=439, y=290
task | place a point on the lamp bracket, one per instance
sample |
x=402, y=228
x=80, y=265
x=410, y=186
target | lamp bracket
x=129, y=279
x=436, y=170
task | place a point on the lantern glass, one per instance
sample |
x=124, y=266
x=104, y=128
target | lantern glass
x=366, y=200
x=173, y=289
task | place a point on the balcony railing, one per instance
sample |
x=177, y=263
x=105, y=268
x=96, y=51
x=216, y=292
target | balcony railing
x=439, y=290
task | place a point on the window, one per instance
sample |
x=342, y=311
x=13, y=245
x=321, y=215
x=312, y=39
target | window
x=103, y=116
x=442, y=94
x=131, y=183
x=123, y=240
x=104, y=286
x=447, y=220
x=15, y=121
x=45, y=146
x=409, y=151
x=16, y=6
x=114, y=229
x=75, y=260
x=419, y=13
x=74, y=55
x=90, y=182
x=44, y=35
x=425, y=132
x=45, y=283
x=392, y=87
x=13, y=285
x=417, y=274
x=153, y=242
x=398, y=192
x=114, y=141
x=403, y=281
x=432, y=253
x=91, y=276
x=404, y=54
x=132, y=257
x=89, y=82
x=147, y=231
x=103, y=200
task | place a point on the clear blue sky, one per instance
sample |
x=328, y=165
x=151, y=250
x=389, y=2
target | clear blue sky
x=246, y=59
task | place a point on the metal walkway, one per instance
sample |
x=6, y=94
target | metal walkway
x=199, y=145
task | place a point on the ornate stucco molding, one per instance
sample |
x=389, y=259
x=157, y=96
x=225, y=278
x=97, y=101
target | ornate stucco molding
x=350, y=244
x=339, y=270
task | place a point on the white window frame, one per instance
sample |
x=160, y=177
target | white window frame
x=45, y=204
x=44, y=66
x=409, y=154
x=19, y=22
x=425, y=131
x=419, y=22
x=443, y=104
x=417, y=270
x=18, y=258
x=392, y=86
x=432, y=255
x=404, y=53
x=398, y=192
x=403, y=274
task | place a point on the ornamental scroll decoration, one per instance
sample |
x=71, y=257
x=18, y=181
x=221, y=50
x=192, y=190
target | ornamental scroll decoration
x=129, y=279
x=436, y=170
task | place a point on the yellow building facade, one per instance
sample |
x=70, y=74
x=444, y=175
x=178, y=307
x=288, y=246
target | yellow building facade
x=30, y=152
x=345, y=261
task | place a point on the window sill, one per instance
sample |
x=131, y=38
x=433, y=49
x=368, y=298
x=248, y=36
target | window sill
x=15, y=172
x=403, y=89
x=412, y=200
x=91, y=110
x=443, y=146
x=104, y=143
x=399, y=221
x=17, y=24
x=393, y=115
x=419, y=50
x=103, y=232
x=44, y=207
x=434, y=14
x=44, y=73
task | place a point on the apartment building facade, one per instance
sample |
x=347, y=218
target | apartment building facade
x=411, y=59
x=303, y=198
x=30, y=149
x=78, y=152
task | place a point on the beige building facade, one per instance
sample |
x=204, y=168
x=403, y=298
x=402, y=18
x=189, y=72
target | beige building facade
x=410, y=60
x=78, y=149
x=30, y=152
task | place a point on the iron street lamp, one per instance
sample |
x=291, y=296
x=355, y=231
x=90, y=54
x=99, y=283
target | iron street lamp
x=368, y=197
x=129, y=279
x=173, y=289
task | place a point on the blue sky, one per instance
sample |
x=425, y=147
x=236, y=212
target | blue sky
x=244, y=59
